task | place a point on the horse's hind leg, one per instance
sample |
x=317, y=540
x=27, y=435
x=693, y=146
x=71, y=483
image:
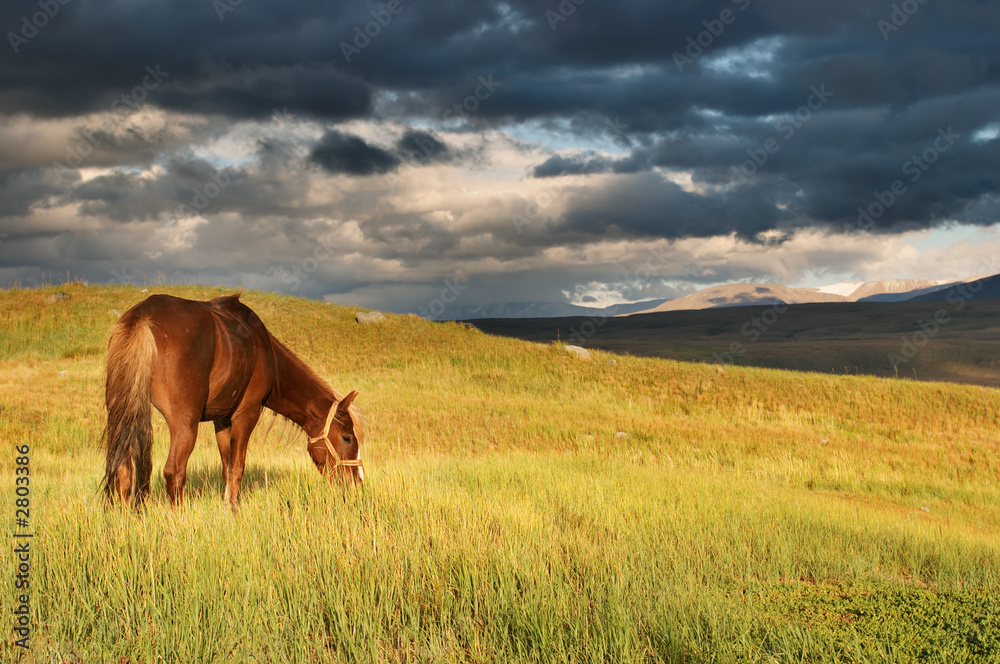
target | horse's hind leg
x=223, y=435
x=182, y=440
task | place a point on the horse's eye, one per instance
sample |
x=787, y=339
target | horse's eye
x=346, y=439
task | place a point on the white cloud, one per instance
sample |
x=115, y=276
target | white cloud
x=988, y=133
x=752, y=61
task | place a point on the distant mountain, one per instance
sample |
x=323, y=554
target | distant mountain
x=894, y=290
x=739, y=295
x=539, y=310
x=743, y=295
x=983, y=288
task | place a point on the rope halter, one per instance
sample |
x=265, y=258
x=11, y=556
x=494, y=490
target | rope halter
x=325, y=437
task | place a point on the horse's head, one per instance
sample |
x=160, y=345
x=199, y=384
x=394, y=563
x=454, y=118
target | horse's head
x=337, y=451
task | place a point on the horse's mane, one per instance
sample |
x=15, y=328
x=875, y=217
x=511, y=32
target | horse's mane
x=230, y=305
x=360, y=426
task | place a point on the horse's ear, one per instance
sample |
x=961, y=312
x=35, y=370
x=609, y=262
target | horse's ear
x=346, y=403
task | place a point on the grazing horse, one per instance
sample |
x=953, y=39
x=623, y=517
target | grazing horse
x=200, y=361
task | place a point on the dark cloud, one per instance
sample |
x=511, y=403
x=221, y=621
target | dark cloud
x=723, y=93
x=572, y=165
x=423, y=147
x=341, y=153
x=260, y=91
x=22, y=190
x=648, y=205
x=338, y=153
x=820, y=166
x=615, y=58
x=589, y=164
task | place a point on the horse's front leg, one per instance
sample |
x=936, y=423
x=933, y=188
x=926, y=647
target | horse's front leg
x=243, y=422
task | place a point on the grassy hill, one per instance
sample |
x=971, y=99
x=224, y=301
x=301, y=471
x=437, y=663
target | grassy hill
x=521, y=505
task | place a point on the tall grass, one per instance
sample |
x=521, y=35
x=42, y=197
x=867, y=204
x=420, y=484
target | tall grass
x=521, y=505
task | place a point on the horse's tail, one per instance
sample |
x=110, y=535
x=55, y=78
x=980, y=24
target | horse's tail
x=129, y=433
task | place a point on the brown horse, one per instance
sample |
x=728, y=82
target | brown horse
x=199, y=361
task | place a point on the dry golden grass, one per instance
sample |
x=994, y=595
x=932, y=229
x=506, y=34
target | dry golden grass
x=522, y=505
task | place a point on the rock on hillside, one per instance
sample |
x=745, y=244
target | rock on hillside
x=370, y=317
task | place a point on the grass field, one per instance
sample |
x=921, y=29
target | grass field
x=521, y=505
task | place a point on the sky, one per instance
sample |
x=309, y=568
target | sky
x=395, y=154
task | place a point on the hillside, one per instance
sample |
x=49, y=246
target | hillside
x=881, y=339
x=522, y=505
x=982, y=289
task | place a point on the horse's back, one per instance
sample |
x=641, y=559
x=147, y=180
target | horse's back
x=206, y=350
x=183, y=317
x=160, y=306
x=172, y=319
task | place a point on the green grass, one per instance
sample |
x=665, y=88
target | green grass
x=744, y=515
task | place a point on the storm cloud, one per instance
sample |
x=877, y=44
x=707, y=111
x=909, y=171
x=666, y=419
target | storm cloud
x=499, y=142
x=338, y=152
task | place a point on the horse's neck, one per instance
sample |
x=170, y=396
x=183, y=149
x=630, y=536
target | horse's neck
x=297, y=394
